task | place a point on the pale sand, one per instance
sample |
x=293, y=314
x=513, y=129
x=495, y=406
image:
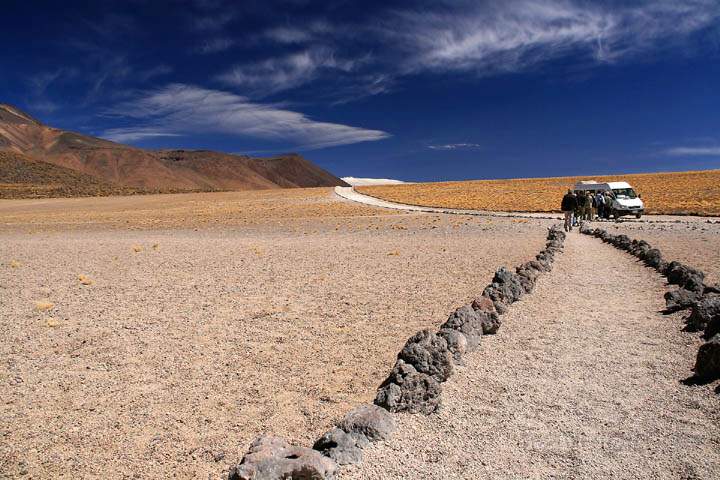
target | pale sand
x=275, y=312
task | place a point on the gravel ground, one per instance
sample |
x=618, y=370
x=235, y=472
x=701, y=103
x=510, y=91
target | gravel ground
x=582, y=381
x=186, y=343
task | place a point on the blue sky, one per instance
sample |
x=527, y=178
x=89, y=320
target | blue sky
x=420, y=91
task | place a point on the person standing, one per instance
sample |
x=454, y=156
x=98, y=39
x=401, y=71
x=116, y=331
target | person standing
x=568, y=206
x=600, y=201
x=579, y=207
x=587, y=206
x=608, y=205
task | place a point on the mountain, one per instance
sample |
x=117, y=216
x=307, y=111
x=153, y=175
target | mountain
x=23, y=177
x=155, y=170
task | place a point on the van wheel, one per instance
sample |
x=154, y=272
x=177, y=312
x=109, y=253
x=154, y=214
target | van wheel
x=638, y=215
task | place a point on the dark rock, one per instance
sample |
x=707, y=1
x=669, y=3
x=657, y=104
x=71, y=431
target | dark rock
x=623, y=242
x=640, y=248
x=707, y=365
x=456, y=342
x=483, y=304
x=703, y=311
x=653, y=258
x=341, y=446
x=712, y=327
x=429, y=354
x=498, y=295
x=679, y=299
x=409, y=391
x=466, y=321
x=369, y=421
x=526, y=282
x=505, y=277
x=271, y=458
x=679, y=274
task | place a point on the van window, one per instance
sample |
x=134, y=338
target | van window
x=624, y=193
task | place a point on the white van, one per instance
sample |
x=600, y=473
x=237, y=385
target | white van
x=625, y=200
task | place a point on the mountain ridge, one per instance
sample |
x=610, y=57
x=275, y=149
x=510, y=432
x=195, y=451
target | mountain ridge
x=154, y=170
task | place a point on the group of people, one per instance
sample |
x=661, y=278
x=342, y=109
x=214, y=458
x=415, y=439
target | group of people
x=581, y=205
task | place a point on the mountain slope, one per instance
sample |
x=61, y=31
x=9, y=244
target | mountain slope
x=22, y=177
x=165, y=170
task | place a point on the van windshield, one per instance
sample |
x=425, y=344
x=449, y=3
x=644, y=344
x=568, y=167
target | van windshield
x=624, y=193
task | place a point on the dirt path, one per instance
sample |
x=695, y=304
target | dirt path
x=582, y=381
x=349, y=193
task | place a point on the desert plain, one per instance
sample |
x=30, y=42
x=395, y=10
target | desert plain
x=155, y=336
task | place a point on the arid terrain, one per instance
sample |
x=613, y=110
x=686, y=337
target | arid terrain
x=694, y=193
x=157, y=335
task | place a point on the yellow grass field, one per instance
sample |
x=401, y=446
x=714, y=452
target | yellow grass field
x=689, y=193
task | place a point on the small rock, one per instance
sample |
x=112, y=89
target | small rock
x=273, y=458
x=704, y=310
x=456, y=342
x=679, y=299
x=340, y=446
x=370, y=421
x=466, y=321
x=418, y=393
x=707, y=364
x=429, y=354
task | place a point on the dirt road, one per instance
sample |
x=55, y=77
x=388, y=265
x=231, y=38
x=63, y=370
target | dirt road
x=582, y=381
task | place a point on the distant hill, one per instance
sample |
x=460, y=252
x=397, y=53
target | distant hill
x=164, y=170
x=22, y=177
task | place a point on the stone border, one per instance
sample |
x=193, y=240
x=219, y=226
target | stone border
x=413, y=386
x=703, y=301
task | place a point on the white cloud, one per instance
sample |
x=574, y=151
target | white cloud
x=693, y=151
x=189, y=110
x=278, y=74
x=492, y=37
x=455, y=146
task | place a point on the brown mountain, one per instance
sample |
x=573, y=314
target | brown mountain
x=163, y=170
x=23, y=177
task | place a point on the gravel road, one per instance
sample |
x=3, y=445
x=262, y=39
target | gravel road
x=582, y=381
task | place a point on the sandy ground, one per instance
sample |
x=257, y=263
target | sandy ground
x=582, y=381
x=211, y=318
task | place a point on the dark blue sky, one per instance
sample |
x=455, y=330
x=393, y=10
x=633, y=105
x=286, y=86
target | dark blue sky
x=426, y=90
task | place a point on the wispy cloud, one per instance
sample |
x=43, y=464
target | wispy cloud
x=215, y=45
x=290, y=35
x=189, y=110
x=455, y=146
x=693, y=152
x=492, y=37
x=283, y=73
x=132, y=134
x=213, y=22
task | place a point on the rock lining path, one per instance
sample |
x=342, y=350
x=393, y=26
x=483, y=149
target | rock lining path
x=582, y=381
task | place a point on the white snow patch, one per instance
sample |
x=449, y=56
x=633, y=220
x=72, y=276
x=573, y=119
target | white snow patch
x=361, y=182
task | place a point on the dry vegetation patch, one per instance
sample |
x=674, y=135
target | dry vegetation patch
x=695, y=193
